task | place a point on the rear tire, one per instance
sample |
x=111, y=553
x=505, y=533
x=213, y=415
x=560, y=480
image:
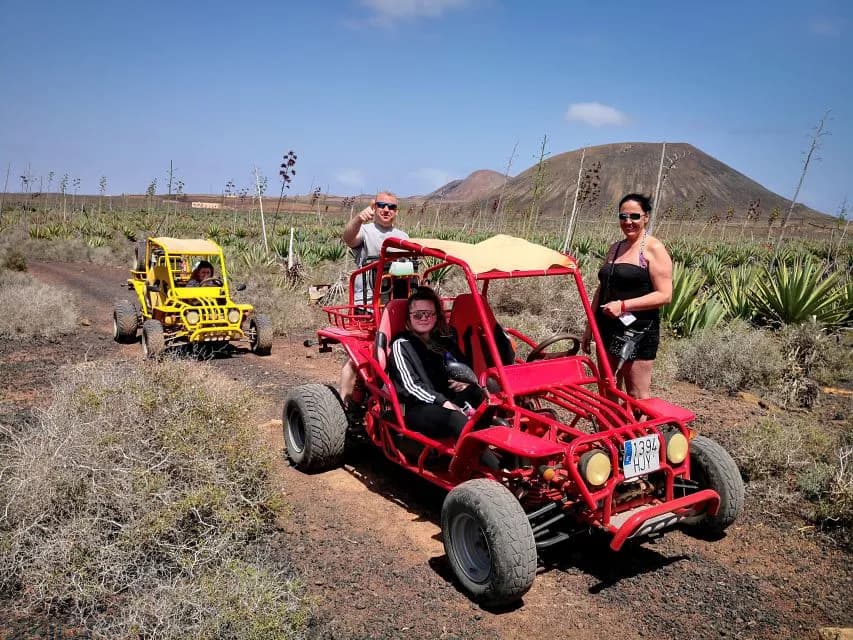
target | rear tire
x=315, y=427
x=153, y=339
x=139, y=254
x=124, y=321
x=489, y=542
x=261, y=341
x=712, y=467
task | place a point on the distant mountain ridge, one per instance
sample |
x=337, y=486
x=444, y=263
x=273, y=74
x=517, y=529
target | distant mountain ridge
x=697, y=181
x=477, y=185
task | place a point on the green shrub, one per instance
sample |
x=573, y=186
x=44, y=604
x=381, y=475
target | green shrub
x=731, y=357
x=133, y=503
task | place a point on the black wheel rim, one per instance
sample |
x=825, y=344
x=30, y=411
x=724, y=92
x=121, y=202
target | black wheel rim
x=470, y=547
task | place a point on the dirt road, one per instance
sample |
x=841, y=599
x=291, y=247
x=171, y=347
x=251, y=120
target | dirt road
x=367, y=541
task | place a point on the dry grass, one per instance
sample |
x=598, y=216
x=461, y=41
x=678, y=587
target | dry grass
x=792, y=463
x=132, y=504
x=34, y=309
x=730, y=358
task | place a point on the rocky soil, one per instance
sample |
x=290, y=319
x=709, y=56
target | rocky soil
x=367, y=540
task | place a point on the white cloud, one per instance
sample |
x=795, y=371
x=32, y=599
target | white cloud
x=386, y=12
x=825, y=27
x=350, y=178
x=595, y=114
x=432, y=178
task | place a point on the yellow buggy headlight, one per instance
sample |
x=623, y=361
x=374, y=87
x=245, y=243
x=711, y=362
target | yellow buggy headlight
x=192, y=316
x=233, y=316
x=595, y=467
x=676, y=447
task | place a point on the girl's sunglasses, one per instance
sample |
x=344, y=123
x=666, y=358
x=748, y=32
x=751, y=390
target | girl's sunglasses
x=386, y=205
x=422, y=315
x=632, y=216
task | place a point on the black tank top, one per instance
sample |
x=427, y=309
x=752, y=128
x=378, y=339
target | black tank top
x=623, y=281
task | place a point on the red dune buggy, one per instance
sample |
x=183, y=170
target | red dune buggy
x=556, y=449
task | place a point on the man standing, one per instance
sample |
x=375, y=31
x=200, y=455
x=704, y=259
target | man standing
x=364, y=234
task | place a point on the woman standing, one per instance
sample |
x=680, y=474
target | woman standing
x=634, y=283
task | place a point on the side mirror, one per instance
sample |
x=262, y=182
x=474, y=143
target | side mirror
x=240, y=287
x=154, y=288
x=461, y=372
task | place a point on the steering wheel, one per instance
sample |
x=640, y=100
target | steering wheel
x=538, y=352
x=211, y=282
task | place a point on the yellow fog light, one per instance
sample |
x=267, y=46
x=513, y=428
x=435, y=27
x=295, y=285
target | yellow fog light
x=193, y=317
x=676, y=447
x=233, y=316
x=547, y=473
x=169, y=320
x=595, y=467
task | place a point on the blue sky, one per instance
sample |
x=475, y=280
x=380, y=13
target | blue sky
x=409, y=94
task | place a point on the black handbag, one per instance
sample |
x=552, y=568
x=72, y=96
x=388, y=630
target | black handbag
x=624, y=346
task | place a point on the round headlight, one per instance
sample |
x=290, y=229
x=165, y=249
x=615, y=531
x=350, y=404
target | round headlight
x=233, y=316
x=192, y=316
x=676, y=447
x=595, y=467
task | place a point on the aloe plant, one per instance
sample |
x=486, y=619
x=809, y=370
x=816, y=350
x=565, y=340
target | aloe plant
x=792, y=294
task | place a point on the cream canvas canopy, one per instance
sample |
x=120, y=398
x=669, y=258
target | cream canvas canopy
x=500, y=253
x=184, y=245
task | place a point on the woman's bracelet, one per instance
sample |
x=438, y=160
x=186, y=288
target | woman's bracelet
x=621, y=306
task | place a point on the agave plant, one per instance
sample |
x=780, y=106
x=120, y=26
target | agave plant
x=582, y=246
x=686, y=284
x=792, y=294
x=254, y=256
x=40, y=232
x=683, y=252
x=734, y=291
x=712, y=267
x=333, y=252
x=706, y=312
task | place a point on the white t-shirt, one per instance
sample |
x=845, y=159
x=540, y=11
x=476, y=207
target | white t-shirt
x=370, y=239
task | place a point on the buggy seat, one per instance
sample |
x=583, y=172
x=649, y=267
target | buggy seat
x=470, y=333
x=392, y=322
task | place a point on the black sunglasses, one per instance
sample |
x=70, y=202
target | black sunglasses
x=386, y=205
x=422, y=315
x=633, y=216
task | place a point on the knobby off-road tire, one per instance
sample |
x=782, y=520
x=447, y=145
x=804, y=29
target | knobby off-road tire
x=712, y=467
x=139, y=255
x=153, y=339
x=124, y=321
x=261, y=341
x=315, y=427
x=489, y=542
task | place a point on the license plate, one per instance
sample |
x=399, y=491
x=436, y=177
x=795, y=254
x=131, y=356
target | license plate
x=642, y=456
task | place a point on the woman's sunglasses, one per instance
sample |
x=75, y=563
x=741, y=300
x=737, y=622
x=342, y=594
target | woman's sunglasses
x=422, y=315
x=386, y=205
x=632, y=216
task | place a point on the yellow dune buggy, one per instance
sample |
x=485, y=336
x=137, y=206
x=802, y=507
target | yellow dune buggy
x=174, y=309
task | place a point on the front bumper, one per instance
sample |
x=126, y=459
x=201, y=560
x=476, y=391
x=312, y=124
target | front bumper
x=655, y=518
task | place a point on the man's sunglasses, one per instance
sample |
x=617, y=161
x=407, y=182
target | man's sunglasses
x=386, y=205
x=632, y=216
x=422, y=315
